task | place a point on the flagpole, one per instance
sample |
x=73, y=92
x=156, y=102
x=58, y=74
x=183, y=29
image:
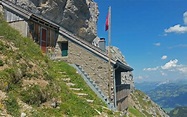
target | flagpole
x=109, y=55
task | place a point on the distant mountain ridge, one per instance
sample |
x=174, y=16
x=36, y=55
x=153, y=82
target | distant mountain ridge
x=166, y=94
x=179, y=112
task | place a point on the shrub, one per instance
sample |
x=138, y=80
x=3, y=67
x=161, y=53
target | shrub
x=34, y=95
x=1, y=63
x=12, y=106
x=13, y=75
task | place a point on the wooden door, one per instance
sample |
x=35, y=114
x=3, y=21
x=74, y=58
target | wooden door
x=44, y=40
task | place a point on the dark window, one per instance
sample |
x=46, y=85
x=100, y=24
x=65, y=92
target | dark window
x=64, y=48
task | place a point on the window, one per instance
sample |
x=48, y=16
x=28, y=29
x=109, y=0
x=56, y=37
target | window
x=64, y=48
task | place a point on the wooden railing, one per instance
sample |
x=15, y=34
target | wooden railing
x=122, y=91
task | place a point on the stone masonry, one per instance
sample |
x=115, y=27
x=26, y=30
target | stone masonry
x=21, y=26
x=94, y=66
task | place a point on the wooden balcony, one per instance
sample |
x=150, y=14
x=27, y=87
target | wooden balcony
x=122, y=92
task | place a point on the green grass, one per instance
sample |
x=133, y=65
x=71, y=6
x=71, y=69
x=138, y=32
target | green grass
x=1, y=63
x=135, y=112
x=145, y=104
x=19, y=68
x=12, y=105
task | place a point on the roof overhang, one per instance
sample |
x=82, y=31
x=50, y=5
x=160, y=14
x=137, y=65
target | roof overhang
x=122, y=67
x=43, y=21
x=15, y=9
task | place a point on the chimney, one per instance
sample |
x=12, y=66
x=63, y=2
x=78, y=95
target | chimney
x=102, y=44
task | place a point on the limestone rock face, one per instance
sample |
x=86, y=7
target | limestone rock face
x=77, y=16
x=116, y=54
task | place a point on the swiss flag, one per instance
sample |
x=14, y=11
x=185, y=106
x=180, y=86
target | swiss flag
x=107, y=22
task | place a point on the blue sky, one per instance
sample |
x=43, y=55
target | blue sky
x=152, y=35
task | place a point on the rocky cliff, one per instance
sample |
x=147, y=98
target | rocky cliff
x=77, y=16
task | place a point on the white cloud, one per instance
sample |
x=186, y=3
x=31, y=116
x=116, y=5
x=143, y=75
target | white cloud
x=185, y=18
x=170, y=64
x=176, y=29
x=163, y=73
x=151, y=69
x=140, y=77
x=171, y=67
x=179, y=46
x=182, y=69
x=165, y=34
x=164, y=57
x=157, y=44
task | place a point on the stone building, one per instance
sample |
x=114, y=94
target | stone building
x=102, y=74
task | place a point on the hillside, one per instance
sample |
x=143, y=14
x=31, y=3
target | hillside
x=169, y=95
x=32, y=84
x=179, y=112
x=140, y=105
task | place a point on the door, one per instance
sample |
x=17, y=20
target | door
x=64, y=48
x=44, y=40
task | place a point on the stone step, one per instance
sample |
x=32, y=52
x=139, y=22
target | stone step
x=88, y=77
x=81, y=94
x=76, y=89
x=64, y=76
x=106, y=99
x=100, y=91
x=94, y=84
x=79, y=67
x=90, y=101
x=70, y=84
x=66, y=79
x=62, y=73
x=92, y=81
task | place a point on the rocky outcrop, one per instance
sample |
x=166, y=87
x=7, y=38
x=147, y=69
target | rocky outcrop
x=140, y=104
x=117, y=54
x=77, y=16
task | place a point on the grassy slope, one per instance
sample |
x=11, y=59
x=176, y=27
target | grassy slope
x=141, y=106
x=21, y=59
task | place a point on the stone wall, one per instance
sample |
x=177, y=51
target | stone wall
x=21, y=26
x=16, y=22
x=94, y=66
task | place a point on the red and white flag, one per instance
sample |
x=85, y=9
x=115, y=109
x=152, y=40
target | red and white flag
x=107, y=22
